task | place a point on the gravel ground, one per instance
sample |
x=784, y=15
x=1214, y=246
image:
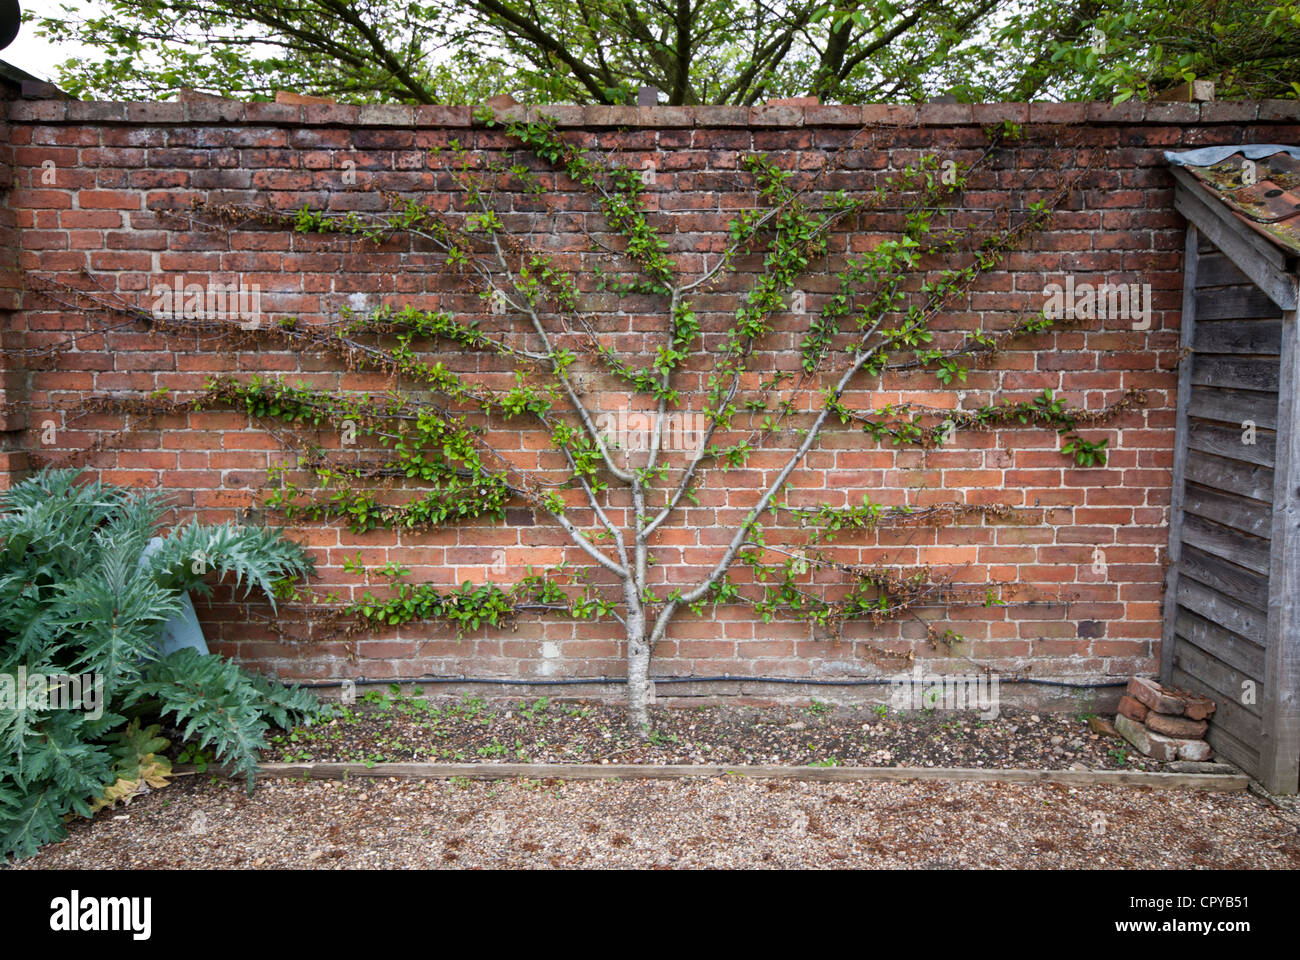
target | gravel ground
x=389, y=728
x=202, y=822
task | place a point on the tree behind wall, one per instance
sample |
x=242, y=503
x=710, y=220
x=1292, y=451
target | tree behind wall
x=695, y=51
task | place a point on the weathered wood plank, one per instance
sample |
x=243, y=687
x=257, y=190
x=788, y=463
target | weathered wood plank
x=1217, y=608
x=1258, y=337
x=1187, y=335
x=1236, y=719
x=1237, y=652
x=1227, y=685
x=1215, y=371
x=1243, y=550
x=1249, y=480
x=638, y=771
x=1236, y=737
x=1240, y=513
x=1229, y=579
x=1215, y=269
x=1235, y=303
x=1226, y=745
x=1229, y=748
x=1279, y=753
x=1234, y=406
x=1229, y=442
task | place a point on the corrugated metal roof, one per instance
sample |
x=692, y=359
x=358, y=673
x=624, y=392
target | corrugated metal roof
x=1259, y=183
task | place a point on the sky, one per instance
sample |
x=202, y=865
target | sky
x=37, y=56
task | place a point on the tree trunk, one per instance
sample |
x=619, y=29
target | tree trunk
x=638, y=687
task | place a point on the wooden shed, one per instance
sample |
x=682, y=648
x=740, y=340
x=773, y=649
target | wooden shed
x=1232, y=603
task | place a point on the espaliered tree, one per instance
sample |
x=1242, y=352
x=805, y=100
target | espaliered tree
x=433, y=429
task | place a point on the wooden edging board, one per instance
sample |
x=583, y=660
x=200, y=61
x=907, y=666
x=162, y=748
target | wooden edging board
x=637, y=771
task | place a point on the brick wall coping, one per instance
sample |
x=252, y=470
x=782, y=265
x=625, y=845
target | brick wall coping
x=568, y=115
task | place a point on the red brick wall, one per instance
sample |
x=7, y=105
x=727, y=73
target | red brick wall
x=13, y=381
x=118, y=166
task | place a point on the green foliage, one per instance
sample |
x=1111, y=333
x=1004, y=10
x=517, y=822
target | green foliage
x=425, y=444
x=468, y=607
x=705, y=51
x=76, y=600
x=1114, y=50
x=218, y=706
x=901, y=424
x=1085, y=453
x=827, y=521
x=137, y=763
x=255, y=557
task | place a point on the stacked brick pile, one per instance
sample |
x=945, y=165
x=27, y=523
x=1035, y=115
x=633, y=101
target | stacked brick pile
x=1165, y=724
